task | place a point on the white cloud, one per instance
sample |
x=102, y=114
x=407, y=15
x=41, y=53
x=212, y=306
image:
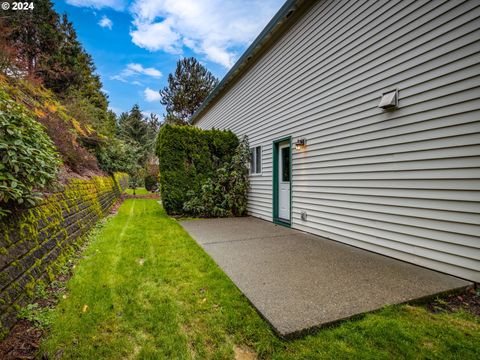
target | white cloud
x=156, y=36
x=151, y=95
x=211, y=28
x=134, y=69
x=105, y=22
x=119, y=78
x=99, y=4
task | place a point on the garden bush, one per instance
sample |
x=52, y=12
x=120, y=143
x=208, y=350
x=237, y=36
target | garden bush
x=29, y=160
x=188, y=156
x=226, y=192
x=151, y=182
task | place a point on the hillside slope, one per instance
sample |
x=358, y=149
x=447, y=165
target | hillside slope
x=68, y=134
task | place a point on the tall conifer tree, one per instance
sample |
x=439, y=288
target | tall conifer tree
x=187, y=88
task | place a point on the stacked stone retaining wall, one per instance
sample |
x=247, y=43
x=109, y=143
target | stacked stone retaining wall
x=35, y=243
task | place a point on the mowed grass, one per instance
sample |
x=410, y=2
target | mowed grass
x=145, y=290
x=138, y=191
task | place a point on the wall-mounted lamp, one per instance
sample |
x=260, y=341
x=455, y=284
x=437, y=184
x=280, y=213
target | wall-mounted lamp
x=389, y=100
x=300, y=144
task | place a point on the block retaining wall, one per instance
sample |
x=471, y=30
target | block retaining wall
x=36, y=243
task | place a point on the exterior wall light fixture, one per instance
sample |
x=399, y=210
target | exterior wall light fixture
x=300, y=144
x=389, y=100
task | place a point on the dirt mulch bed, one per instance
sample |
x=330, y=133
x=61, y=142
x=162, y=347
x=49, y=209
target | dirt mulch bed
x=468, y=301
x=116, y=206
x=22, y=342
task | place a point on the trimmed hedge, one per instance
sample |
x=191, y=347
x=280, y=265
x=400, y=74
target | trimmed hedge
x=188, y=156
x=226, y=193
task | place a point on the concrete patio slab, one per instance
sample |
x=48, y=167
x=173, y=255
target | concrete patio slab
x=298, y=281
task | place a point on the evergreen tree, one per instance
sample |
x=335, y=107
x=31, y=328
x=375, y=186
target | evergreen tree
x=153, y=123
x=134, y=128
x=60, y=70
x=33, y=33
x=135, y=142
x=187, y=88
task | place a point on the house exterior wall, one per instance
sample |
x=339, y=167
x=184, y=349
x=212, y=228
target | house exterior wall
x=404, y=183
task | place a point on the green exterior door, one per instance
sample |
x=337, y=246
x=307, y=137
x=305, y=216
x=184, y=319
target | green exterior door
x=282, y=181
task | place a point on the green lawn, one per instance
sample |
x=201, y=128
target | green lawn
x=152, y=293
x=138, y=191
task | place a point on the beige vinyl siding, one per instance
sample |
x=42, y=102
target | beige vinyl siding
x=404, y=183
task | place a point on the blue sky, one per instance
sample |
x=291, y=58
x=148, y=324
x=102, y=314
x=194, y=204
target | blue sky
x=136, y=44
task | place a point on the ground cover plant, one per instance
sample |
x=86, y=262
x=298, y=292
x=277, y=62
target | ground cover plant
x=145, y=289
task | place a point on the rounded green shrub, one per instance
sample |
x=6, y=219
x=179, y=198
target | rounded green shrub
x=151, y=182
x=29, y=160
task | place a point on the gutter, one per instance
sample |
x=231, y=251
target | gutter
x=283, y=19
